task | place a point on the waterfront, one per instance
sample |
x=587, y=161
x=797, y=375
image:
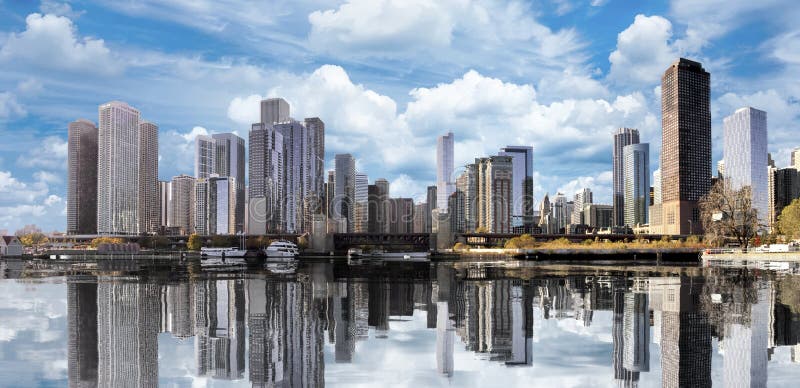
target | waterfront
x=154, y=322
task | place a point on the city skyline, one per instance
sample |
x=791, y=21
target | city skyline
x=599, y=89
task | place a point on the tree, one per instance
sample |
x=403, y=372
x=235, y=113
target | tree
x=789, y=220
x=106, y=240
x=195, y=242
x=33, y=239
x=728, y=213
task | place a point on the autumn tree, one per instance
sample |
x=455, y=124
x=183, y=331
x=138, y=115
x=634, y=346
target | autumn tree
x=728, y=213
x=195, y=242
x=106, y=240
x=789, y=220
x=34, y=239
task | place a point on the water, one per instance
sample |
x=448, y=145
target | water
x=150, y=323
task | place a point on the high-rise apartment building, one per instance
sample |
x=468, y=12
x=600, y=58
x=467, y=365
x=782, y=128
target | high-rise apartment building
x=622, y=138
x=205, y=150
x=361, y=201
x=432, y=203
x=467, y=183
x=200, y=208
x=494, y=193
x=82, y=177
x=786, y=188
x=317, y=128
x=582, y=198
x=223, y=155
x=378, y=198
x=118, y=169
x=522, y=185
x=420, y=219
x=686, y=145
x=265, y=187
x=795, y=161
x=149, y=217
x=401, y=215
x=182, y=211
x=745, y=155
x=636, y=173
x=444, y=170
x=344, y=190
x=165, y=202
x=298, y=179
x=560, y=213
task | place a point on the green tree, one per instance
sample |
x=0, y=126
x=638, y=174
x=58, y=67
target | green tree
x=195, y=242
x=789, y=220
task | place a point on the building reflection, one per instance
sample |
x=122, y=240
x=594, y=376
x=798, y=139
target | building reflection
x=277, y=331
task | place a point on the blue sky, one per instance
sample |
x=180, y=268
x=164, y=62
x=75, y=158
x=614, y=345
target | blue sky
x=387, y=77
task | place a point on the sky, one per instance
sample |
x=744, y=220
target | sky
x=387, y=77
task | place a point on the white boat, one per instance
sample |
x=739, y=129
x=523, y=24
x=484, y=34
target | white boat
x=354, y=253
x=282, y=249
x=223, y=252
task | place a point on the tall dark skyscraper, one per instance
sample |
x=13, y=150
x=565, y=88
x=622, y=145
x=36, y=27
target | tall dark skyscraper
x=622, y=138
x=685, y=145
x=82, y=178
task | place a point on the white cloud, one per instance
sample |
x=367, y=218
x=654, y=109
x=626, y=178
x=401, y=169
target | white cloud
x=60, y=9
x=393, y=29
x=643, y=51
x=407, y=187
x=192, y=135
x=245, y=110
x=13, y=191
x=600, y=185
x=51, y=41
x=786, y=47
x=52, y=199
x=47, y=177
x=50, y=154
x=9, y=107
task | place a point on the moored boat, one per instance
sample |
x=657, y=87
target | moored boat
x=282, y=249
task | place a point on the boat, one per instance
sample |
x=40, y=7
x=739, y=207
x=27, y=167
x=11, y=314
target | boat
x=223, y=252
x=282, y=249
x=354, y=253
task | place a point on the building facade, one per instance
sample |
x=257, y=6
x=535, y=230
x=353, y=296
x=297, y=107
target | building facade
x=685, y=145
x=182, y=209
x=149, y=217
x=745, y=156
x=265, y=186
x=444, y=170
x=344, y=190
x=522, y=186
x=118, y=169
x=622, y=137
x=636, y=173
x=495, y=176
x=82, y=177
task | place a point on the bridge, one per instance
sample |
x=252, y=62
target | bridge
x=418, y=242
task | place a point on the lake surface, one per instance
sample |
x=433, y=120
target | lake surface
x=480, y=324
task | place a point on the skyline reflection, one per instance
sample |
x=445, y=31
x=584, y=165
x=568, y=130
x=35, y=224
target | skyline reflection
x=299, y=330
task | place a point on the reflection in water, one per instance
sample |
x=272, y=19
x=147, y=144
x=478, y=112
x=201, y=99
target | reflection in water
x=281, y=331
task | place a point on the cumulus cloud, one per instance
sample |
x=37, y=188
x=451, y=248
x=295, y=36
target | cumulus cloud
x=60, y=9
x=600, y=185
x=644, y=50
x=52, y=41
x=9, y=107
x=245, y=110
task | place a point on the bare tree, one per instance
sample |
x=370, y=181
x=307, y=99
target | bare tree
x=728, y=213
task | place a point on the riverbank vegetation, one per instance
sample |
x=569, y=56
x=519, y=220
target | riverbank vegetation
x=526, y=241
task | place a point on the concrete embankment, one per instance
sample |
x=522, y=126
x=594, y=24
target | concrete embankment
x=669, y=255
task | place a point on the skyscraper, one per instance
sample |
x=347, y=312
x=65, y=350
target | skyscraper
x=118, y=169
x=274, y=110
x=494, y=193
x=82, y=339
x=636, y=173
x=230, y=162
x=432, y=204
x=149, y=221
x=686, y=145
x=344, y=190
x=796, y=159
x=164, y=201
x=522, y=185
x=183, y=203
x=378, y=198
x=361, y=198
x=745, y=155
x=622, y=138
x=205, y=149
x=582, y=198
x=298, y=180
x=317, y=128
x=266, y=179
x=82, y=178
x=444, y=170
x=467, y=183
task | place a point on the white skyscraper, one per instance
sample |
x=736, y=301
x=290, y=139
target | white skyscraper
x=636, y=179
x=205, y=149
x=445, y=184
x=343, y=200
x=582, y=198
x=118, y=169
x=745, y=155
x=265, y=188
x=522, y=184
